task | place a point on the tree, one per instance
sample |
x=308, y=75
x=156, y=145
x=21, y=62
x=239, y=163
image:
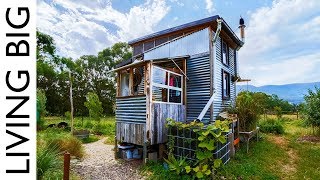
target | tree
x=94, y=106
x=41, y=107
x=312, y=109
x=41, y=102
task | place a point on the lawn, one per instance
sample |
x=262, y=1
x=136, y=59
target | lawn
x=273, y=157
x=104, y=128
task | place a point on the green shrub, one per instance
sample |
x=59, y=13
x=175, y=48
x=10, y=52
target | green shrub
x=248, y=110
x=278, y=111
x=98, y=129
x=271, y=126
x=90, y=139
x=47, y=160
x=94, y=106
x=312, y=110
x=67, y=115
x=88, y=124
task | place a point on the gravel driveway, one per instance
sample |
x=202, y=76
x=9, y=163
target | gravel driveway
x=99, y=163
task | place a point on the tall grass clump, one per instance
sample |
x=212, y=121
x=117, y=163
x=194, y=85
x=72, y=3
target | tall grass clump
x=248, y=111
x=63, y=141
x=48, y=160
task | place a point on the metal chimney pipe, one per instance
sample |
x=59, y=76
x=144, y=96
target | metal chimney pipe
x=242, y=26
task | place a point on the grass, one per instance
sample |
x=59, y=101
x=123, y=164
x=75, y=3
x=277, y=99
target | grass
x=106, y=126
x=90, y=139
x=53, y=142
x=274, y=156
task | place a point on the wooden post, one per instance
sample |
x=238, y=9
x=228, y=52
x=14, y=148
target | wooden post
x=212, y=59
x=116, y=147
x=66, y=166
x=131, y=92
x=71, y=103
x=118, y=84
x=161, y=151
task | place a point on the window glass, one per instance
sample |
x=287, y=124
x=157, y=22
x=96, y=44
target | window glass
x=167, y=86
x=174, y=96
x=159, y=76
x=124, y=87
x=225, y=85
x=225, y=53
x=175, y=80
x=159, y=94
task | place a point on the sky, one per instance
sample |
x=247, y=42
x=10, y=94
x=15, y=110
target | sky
x=282, y=44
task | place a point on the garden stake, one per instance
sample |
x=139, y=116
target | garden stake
x=66, y=166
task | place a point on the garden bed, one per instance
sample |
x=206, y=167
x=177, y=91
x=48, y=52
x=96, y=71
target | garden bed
x=185, y=143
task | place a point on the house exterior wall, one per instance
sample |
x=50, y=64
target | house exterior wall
x=198, y=85
x=219, y=103
x=131, y=119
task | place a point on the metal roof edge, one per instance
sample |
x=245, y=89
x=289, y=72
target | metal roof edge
x=176, y=28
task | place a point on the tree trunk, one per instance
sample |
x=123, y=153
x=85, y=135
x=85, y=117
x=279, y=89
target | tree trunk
x=71, y=103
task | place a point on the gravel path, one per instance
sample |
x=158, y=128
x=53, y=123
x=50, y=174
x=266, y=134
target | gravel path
x=99, y=163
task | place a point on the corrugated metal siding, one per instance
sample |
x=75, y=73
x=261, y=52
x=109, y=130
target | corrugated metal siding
x=194, y=43
x=198, y=86
x=131, y=109
x=220, y=104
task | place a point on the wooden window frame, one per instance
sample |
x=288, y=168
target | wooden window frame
x=227, y=53
x=228, y=85
x=167, y=86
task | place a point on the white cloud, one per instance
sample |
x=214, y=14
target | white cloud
x=290, y=70
x=280, y=43
x=209, y=6
x=86, y=27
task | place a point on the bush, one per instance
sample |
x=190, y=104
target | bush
x=248, y=111
x=312, y=109
x=278, y=111
x=88, y=124
x=67, y=115
x=47, y=160
x=98, y=128
x=271, y=126
x=94, y=106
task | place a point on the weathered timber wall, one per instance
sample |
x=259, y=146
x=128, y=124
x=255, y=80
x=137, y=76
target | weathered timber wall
x=130, y=132
x=160, y=112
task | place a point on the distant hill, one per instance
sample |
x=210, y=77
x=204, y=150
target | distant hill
x=291, y=92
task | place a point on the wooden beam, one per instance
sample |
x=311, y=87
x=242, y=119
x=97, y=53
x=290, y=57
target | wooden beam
x=184, y=68
x=131, y=81
x=118, y=84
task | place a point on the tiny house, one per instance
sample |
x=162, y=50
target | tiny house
x=185, y=73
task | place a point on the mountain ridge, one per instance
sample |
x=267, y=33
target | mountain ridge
x=294, y=93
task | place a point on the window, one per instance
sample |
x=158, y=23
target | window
x=124, y=85
x=225, y=85
x=166, y=86
x=224, y=53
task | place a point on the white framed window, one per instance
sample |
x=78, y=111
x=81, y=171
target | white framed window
x=166, y=86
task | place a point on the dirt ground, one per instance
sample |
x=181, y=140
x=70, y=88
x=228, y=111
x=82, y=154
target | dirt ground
x=99, y=163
